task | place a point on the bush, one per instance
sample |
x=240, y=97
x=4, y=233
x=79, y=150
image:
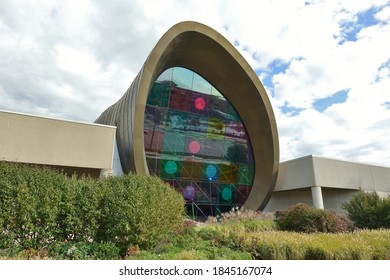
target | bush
x=29, y=205
x=302, y=218
x=40, y=207
x=368, y=210
x=79, y=212
x=138, y=210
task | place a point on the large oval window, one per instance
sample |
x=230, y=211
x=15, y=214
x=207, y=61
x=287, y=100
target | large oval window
x=195, y=140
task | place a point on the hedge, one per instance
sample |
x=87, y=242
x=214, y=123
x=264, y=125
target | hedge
x=40, y=207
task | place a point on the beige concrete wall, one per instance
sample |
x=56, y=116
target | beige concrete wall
x=40, y=140
x=333, y=199
x=351, y=175
x=295, y=174
x=338, y=180
x=312, y=171
x=283, y=200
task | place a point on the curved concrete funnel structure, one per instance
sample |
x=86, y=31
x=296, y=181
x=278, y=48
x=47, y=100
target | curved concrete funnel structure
x=203, y=50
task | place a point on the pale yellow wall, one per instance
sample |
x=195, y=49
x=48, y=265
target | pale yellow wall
x=295, y=174
x=338, y=179
x=351, y=175
x=333, y=199
x=40, y=140
x=312, y=171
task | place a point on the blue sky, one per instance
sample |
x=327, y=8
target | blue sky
x=337, y=98
x=325, y=64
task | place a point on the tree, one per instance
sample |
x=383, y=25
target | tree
x=368, y=210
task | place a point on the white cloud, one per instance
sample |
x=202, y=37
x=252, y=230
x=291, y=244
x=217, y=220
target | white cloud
x=383, y=14
x=357, y=129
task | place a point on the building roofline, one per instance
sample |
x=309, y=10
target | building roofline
x=335, y=159
x=56, y=119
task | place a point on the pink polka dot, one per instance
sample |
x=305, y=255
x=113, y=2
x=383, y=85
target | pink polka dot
x=194, y=147
x=200, y=103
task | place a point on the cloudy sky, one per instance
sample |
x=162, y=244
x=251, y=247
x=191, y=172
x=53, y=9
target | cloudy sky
x=325, y=64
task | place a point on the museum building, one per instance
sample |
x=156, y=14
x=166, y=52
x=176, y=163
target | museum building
x=198, y=117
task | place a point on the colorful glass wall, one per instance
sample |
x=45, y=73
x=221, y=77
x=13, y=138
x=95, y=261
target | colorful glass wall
x=195, y=141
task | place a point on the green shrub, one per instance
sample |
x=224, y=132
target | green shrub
x=138, y=210
x=79, y=212
x=302, y=218
x=40, y=207
x=368, y=210
x=29, y=204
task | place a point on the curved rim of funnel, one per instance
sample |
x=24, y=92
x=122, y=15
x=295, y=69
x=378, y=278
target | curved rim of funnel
x=201, y=49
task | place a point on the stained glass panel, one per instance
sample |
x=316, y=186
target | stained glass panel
x=195, y=141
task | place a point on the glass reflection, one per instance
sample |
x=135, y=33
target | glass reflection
x=195, y=141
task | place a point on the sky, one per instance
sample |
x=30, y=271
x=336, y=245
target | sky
x=325, y=64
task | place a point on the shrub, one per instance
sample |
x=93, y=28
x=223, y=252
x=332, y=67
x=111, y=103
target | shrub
x=368, y=210
x=138, y=210
x=29, y=204
x=79, y=211
x=40, y=207
x=302, y=218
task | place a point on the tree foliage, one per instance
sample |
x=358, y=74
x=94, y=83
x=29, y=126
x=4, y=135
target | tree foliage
x=368, y=210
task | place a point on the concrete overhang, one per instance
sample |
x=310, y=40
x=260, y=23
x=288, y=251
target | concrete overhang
x=39, y=140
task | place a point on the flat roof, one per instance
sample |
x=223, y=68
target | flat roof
x=34, y=139
x=56, y=119
x=325, y=172
x=334, y=159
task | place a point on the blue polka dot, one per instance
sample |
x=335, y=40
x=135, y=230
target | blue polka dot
x=211, y=171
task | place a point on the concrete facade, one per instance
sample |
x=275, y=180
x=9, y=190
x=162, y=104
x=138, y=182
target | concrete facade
x=325, y=183
x=72, y=146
